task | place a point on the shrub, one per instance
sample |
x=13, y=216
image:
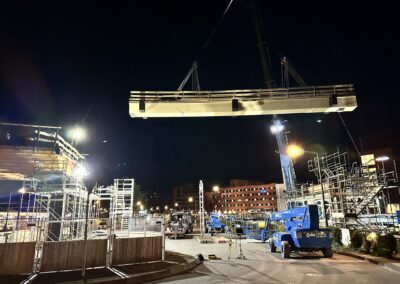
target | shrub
x=356, y=239
x=366, y=245
x=385, y=245
x=337, y=236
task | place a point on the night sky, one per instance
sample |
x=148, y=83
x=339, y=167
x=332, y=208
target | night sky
x=65, y=63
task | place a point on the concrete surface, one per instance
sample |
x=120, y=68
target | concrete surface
x=264, y=267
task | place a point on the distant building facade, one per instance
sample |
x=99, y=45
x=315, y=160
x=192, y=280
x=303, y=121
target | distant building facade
x=246, y=196
x=186, y=197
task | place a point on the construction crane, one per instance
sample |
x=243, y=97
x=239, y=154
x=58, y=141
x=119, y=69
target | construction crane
x=270, y=101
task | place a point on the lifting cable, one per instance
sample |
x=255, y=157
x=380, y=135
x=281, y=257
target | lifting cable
x=216, y=27
x=206, y=44
x=348, y=132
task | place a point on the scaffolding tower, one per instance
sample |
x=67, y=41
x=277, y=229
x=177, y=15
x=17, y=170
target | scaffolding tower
x=122, y=203
x=353, y=191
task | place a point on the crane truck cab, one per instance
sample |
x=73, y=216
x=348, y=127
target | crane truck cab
x=214, y=224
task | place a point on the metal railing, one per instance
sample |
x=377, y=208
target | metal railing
x=251, y=94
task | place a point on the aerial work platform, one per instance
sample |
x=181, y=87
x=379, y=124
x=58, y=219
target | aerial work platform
x=317, y=99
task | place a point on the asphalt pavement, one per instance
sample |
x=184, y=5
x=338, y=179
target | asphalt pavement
x=261, y=266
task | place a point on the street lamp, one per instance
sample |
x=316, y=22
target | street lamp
x=277, y=127
x=80, y=171
x=138, y=203
x=77, y=134
x=295, y=151
x=382, y=159
x=22, y=192
x=215, y=191
x=190, y=199
x=176, y=205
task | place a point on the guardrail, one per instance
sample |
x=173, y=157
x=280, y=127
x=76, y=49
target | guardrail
x=250, y=94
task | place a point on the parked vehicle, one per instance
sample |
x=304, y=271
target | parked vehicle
x=180, y=223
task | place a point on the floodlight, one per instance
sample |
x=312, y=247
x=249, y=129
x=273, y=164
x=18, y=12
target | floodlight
x=382, y=158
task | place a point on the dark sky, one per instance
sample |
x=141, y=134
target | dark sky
x=66, y=62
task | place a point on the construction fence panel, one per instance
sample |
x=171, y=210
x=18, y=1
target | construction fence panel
x=70, y=254
x=16, y=258
x=135, y=250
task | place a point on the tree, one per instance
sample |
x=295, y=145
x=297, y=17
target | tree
x=139, y=195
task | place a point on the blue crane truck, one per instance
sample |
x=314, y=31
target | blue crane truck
x=302, y=232
x=214, y=224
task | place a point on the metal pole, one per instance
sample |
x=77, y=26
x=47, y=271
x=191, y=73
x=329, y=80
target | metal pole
x=85, y=237
x=144, y=229
x=322, y=192
x=19, y=213
x=163, y=239
x=383, y=174
x=8, y=212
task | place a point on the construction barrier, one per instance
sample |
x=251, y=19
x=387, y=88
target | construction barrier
x=16, y=258
x=134, y=250
x=69, y=255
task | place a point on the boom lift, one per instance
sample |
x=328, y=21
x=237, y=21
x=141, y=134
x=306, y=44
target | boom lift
x=302, y=232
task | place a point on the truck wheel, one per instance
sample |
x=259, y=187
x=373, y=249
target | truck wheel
x=272, y=246
x=285, y=249
x=327, y=252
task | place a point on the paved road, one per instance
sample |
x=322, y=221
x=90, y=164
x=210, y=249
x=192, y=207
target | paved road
x=261, y=266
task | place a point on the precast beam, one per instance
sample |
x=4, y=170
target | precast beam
x=325, y=99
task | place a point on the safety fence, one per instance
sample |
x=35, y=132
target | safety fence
x=18, y=258
x=30, y=229
x=27, y=249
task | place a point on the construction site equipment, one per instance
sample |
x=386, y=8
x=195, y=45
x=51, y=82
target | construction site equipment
x=180, y=223
x=214, y=224
x=261, y=230
x=356, y=193
x=322, y=99
x=302, y=232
